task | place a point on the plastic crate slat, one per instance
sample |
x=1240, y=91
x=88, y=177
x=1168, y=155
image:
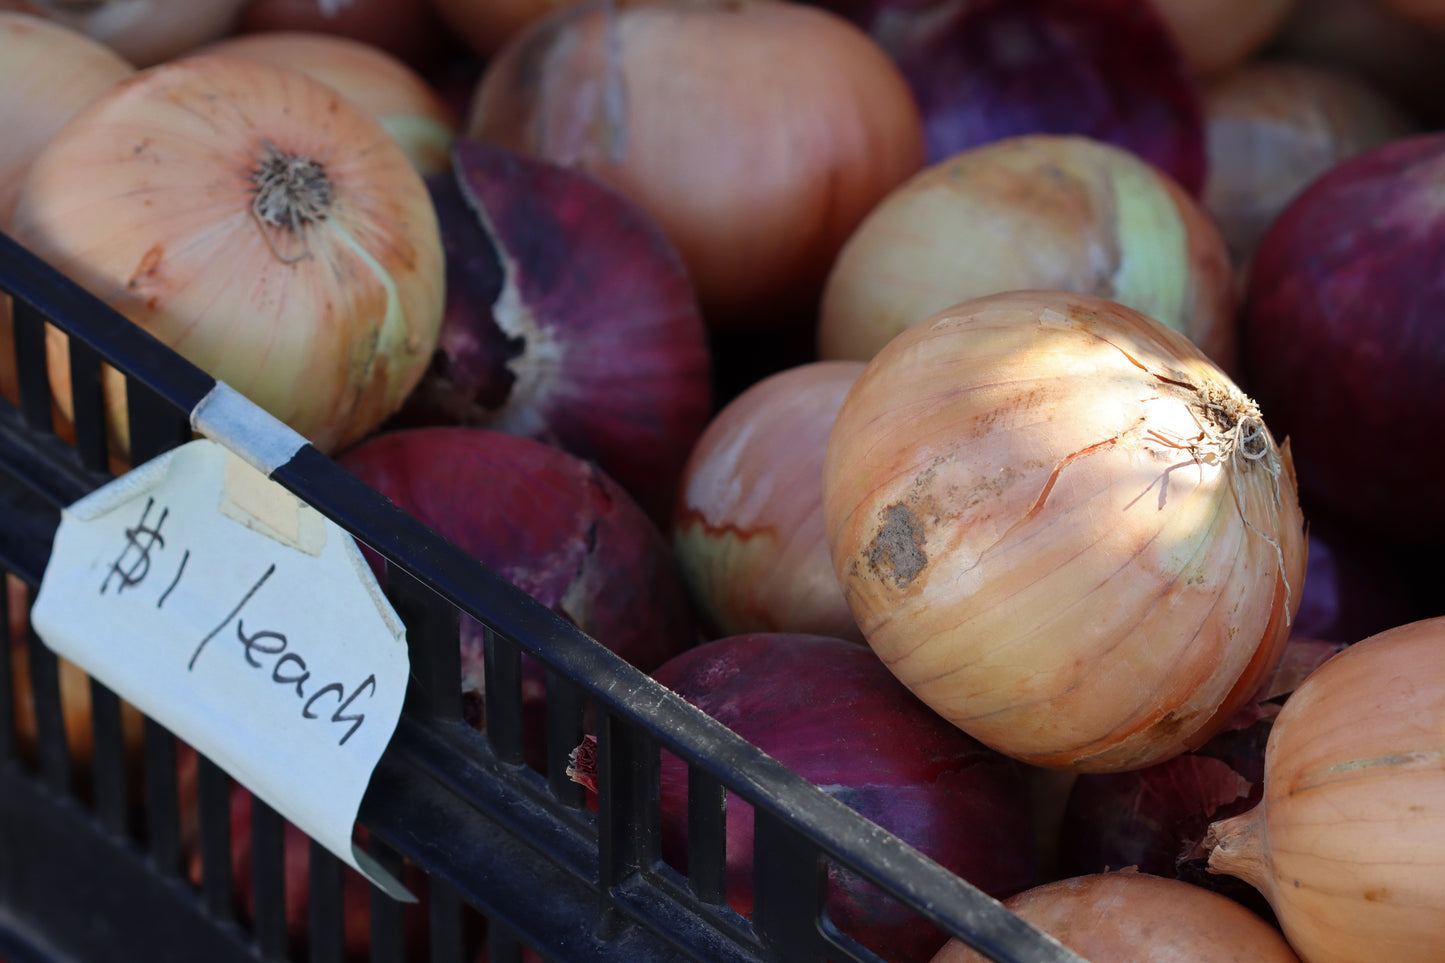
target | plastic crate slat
x=325, y=907
x=628, y=773
x=268, y=879
x=444, y=921
x=789, y=886
x=566, y=707
x=43, y=466
x=706, y=836
x=109, y=779
x=431, y=638
x=502, y=703
x=9, y=745
x=388, y=923
x=31, y=368
x=213, y=797
x=87, y=400
x=162, y=804
x=155, y=424
x=52, y=749
x=502, y=945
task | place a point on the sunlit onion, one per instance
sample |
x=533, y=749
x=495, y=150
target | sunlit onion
x=1064, y=529
x=1038, y=211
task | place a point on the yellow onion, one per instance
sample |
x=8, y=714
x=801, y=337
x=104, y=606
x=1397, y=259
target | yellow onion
x=254, y=220
x=1036, y=211
x=1348, y=841
x=748, y=528
x=758, y=133
x=1271, y=127
x=379, y=83
x=1132, y=917
x=144, y=32
x=1064, y=529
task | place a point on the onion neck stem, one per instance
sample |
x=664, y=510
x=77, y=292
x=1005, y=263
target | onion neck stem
x=1237, y=847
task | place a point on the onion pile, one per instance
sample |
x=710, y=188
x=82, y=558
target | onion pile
x=569, y=318
x=144, y=32
x=1346, y=841
x=1221, y=34
x=407, y=29
x=1038, y=211
x=828, y=710
x=1064, y=529
x=252, y=219
x=1127, y=917
x=758, y=133
x=748, y=529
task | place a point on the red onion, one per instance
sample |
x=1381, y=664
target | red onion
x=569, y=319
x=749, y=524
x=830, y=711
x=982, y=70
x=1342, y=345
x=554, y=525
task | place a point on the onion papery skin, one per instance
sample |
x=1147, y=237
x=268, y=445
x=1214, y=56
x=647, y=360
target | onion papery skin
x=146, y=199
x=1341, y=342
x=144, y=32
x=1028, y=542
x=826, y=709
x=680, y=106
x=1029, y=212
x=553, y=525
x=988, y=69
x=1272, y=127
x=1346, y=841
x=569, y=318
x=1217, y=36
x=1128, y=917
x=748, y=530
x=396, y=96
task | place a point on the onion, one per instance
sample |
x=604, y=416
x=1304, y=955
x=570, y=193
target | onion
x=407, y=29
x=1064, y=529
x=757, y=132
x=1430, y=13
x=988, y=69
x=569, y=319
x=1340, y=344
x=1345, y=843
x=828, y=710
x=552, y=524
x=256, y=222
x=372, y=79
x=749, y=525
x=1125, y=917
x=1372, y=42
x=1040, y=211
x=1272, y=127
x=144, y=32
x=1217, y=36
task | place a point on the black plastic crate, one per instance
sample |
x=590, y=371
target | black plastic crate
x=94, y=868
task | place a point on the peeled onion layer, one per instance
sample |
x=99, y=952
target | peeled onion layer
x=1064, y=529
x=986, y=69
x=569, y=318
x=257, y=223
x=829, y=711
x=1346, y=842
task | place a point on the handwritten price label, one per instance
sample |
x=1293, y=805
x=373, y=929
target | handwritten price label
x=243, y=621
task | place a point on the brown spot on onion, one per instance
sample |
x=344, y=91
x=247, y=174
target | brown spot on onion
x=896, y=552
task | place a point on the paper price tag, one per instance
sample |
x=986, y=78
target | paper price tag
x=244, y=621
